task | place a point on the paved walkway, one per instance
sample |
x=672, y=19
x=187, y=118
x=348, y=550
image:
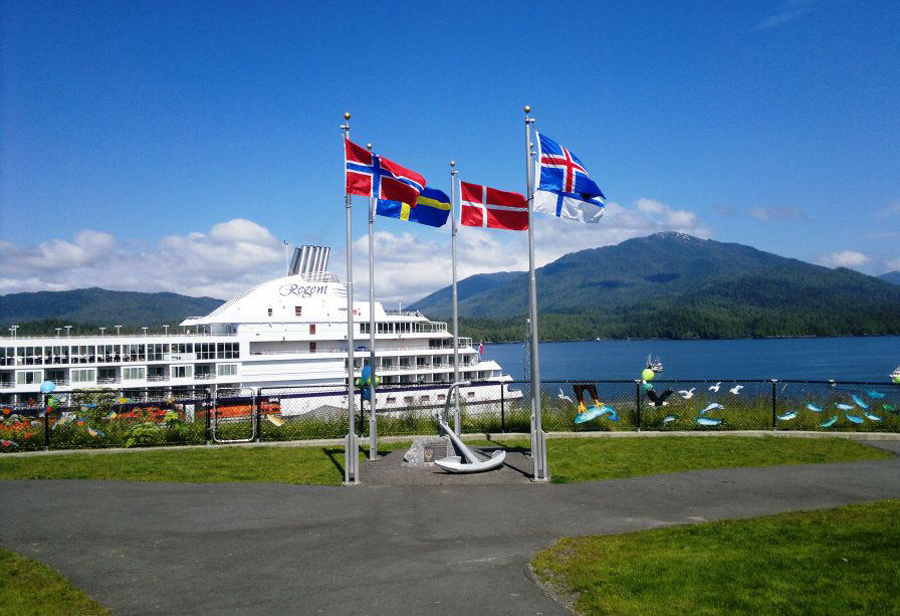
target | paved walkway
x=229, y=549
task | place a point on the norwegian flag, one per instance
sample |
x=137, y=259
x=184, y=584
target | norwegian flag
x=489, y=207
x=370, y=175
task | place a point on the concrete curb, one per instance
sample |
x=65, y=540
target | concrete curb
x=499, y=437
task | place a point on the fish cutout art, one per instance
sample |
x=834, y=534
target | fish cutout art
x=787, y=416
x=669, y=419
x=890, y=407
x=872, y=416
x=707, y=421
x=94, y=432
x=7, y=443
x=854, y=418
x=275, y=420
x=859, y=402
x=829, y=423
x=711, y=407
x=844, y=407
x=875, y=395
x=813, y=407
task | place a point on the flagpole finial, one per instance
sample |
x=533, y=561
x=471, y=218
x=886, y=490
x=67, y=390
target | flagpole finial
x=369, y=145
x=346, y=115
x=527, y=108
x=452, y=163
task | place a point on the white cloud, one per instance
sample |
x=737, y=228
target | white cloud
x=894, y=265
x=786, y=11
x=232, y=256
x=845, y=258
x=777, y=213
x=237, y=254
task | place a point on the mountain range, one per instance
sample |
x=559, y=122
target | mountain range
x=666, y=285
x=674, y=285
x=41, y=311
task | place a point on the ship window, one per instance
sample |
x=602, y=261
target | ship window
x=134, y=374
x=408, y=399
x=298, y=310
x=28, y=378
x=470, y=394
x=84, y=375
x=312, y=347
x=391, y=399
x=227, y=369
x=270, y=311
x=312, y=329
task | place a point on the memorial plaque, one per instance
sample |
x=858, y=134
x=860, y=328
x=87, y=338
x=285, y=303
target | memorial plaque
x=425, y=451
x=435, y=451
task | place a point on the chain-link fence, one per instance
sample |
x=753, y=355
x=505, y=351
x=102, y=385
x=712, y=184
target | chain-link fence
x=139, y=418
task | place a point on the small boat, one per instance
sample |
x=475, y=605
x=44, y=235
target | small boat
x=654, y=364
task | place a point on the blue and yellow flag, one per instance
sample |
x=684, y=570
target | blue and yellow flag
x=432, y=208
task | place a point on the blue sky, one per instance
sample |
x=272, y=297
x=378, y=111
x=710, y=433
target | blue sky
x=171, y=145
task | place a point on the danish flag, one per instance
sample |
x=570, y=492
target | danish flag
x=370, y=175
x=488, y=207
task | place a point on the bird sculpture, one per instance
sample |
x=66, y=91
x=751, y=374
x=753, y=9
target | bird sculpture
x=715, y=387
x=659, y=399
x=687, y=394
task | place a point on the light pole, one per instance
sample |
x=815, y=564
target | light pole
x=145, y=331
x=68, y=331
x=102, y=332
x=58, y=329
x=166, y=328
x=118, y=329
x=12, y=330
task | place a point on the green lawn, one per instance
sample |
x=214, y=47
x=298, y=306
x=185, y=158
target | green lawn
x=317, y=465
x=570, y=460
x=837, y=561
x=28, y=588
x=574, y=460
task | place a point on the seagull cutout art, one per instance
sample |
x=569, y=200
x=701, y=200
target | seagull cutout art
x=659, y=399
x=711, y=407
x=687, y=394
x=736, y=389
x=563, y=396
x=858, y=402
x=715, y=387
x=829, y=423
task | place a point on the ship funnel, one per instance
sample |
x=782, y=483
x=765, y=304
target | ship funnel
x=309, y=260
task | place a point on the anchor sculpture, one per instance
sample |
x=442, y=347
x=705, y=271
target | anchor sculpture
x=455, y=464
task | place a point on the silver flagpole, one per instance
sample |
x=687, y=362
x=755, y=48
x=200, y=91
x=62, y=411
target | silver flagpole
x=373, y=422
x=351, y=446
x=453, y=230
x=538, y=438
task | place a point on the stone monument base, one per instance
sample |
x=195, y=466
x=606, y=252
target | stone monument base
x=425, y=451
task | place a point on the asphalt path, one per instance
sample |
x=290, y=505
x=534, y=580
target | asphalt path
x=241, y=549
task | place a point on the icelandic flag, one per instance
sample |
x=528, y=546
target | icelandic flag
x=370, y=175
x=432, y=208
x=565, y=189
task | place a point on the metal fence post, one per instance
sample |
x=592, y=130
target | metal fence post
x=46, y=428
x=774, y=408
x=637, y=402
x=254, y=405
x=206, y=406
x=502, y=408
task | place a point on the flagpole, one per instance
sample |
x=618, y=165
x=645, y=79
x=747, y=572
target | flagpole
x=453, y=230
x=538, y=438
x=373, y=422
x=351, y=446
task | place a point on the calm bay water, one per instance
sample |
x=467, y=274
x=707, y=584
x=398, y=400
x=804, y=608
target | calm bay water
x=863, y=359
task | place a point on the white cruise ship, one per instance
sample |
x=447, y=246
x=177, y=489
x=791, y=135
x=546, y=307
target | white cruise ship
x=287, y=332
